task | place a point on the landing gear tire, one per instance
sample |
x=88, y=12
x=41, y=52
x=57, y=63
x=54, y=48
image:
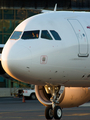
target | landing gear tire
x=49, y=113
x=57, y=112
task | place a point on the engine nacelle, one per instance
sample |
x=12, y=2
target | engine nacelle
x=71, y=96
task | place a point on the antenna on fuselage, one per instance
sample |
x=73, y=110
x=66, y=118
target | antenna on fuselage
x=55, y=8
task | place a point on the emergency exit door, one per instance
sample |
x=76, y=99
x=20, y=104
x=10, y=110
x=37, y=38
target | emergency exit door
x=81, y=37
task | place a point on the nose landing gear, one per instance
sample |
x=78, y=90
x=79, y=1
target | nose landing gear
x=54, y=110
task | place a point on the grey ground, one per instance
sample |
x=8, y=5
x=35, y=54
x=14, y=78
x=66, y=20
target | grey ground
x=15, y=109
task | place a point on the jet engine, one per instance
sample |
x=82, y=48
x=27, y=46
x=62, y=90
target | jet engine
x=70, y=97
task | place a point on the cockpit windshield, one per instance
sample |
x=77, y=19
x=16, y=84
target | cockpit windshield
x=30, y=34
x=45, y=35
x=16, y=35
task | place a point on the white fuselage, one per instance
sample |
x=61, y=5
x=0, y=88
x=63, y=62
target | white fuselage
x=59, y=62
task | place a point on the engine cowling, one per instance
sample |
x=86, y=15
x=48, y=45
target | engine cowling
x=71, y=96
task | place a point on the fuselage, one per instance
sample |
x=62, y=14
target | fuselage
x=46, y=59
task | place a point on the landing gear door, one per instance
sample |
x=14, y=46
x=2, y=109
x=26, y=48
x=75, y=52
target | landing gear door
x=81, y=37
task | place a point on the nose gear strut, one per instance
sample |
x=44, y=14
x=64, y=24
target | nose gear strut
x=54, y=110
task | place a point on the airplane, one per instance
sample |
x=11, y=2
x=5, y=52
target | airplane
x=51, y=50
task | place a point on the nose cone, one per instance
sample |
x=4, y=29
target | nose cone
x=15, y=59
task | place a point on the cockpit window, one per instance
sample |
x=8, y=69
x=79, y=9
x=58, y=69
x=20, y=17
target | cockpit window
x=45, y=34
x=30, y=34
x=16, y=35
x=55, y=35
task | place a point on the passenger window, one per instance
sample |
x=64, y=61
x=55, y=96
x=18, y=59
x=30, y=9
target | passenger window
x=55, y=35
x=30, y=34
x=45, y=34
x=16, y=35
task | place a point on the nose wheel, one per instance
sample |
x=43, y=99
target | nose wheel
x=49, y=113
x=56, y=113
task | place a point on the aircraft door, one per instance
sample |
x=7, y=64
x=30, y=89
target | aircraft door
x=81, y=36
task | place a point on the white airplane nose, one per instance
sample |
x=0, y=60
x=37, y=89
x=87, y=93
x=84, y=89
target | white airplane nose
x=15, y=59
